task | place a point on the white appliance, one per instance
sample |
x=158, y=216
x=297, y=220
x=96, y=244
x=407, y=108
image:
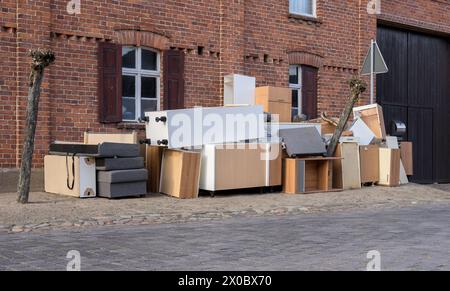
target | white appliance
x=239, y=90
x=195, y=127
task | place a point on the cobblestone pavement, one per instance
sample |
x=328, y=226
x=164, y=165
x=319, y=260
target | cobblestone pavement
x=412, y=238
x=47, y=211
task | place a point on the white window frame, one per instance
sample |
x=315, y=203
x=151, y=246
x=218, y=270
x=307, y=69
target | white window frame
x=314, y=8
x=138, y=73
x=297, y=87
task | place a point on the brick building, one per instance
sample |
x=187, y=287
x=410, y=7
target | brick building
x=117, y=58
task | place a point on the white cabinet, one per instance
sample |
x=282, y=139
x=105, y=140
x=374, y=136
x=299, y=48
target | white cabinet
x=209, y=125
x=239, y=90
x=240, y=166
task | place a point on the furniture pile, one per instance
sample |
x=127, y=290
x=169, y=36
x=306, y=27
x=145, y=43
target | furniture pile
x=250, y=142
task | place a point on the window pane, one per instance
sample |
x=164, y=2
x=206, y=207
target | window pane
x=129, y=109
x=128, y=86
x=148, y=106
x=128, y=57
x=293, y=75
x=149, y=60
x=302, y=6
x=295, y=98
x=148, y=87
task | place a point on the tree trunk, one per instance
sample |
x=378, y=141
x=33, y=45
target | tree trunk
x=28, y=146
x=357, y=87
x=40, y=60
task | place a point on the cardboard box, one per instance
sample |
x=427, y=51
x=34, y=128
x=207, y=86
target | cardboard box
x=406, y=150
x=370, y=163
x=309, y=175
x=61, y=172
x=347, y=170
x=180, y=174
x=373, y=117
x=389, y=167
x=276, y=101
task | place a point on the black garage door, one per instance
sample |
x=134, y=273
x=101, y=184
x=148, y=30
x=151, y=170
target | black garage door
x=417, y=92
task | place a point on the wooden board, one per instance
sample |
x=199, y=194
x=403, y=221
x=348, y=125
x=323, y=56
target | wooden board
x=373, y=117
x=180, y=174
x=389, y=167
x=347, y=173
x=153, y=162
x=98, y=138
x=58, y=170
x=407, y=157
x=370, y=163
x=328, y=128
x=275, y=168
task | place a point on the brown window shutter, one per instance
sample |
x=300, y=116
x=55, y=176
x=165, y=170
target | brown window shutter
x=110, y=82
x=309, y=91
x=173, y=79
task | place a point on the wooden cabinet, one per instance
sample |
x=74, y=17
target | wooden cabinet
x=240, y=166
x=310, y=175
x=276, y=101
x=70, y=176
x=389, y=167
x=370, y=163
x=180, y=173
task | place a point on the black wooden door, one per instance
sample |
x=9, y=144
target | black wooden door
x=417, y=91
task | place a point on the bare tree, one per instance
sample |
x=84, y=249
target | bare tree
x=40, y=60
x=357, y=87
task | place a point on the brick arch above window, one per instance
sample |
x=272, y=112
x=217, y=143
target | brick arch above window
x=305, y=58
x=137, y=37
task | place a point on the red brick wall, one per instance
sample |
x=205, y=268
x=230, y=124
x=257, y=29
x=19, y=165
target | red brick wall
x=254, y=37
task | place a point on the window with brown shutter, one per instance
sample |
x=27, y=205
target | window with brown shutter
x=110, y=82
x=303, y=82
x=173, y=79
x=309, y=91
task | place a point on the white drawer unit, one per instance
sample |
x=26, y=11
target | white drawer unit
x=208, y=125
x=239, y=90
x=240, y=166
x=71, y=176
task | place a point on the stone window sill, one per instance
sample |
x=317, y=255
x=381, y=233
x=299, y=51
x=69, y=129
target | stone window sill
x=306, y=18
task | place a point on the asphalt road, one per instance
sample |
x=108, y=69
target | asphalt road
x=415, y=238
